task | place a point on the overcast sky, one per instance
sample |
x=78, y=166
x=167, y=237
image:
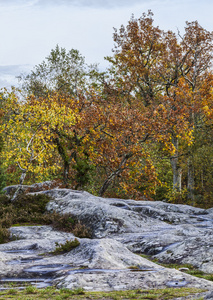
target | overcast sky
x=31, y=28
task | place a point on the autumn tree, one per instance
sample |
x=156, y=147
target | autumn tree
x=30, y=131
x=198, y=42
x=163, y=68
x=3, y=175
x=185, y=65
x=118, y=133
x=65, y=73
x=150, y=104
x=117, y=142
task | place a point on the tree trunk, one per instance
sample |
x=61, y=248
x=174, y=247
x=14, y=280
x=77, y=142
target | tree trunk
x=106, y=184
x=65, y=158
x=21, y=181
x=114, y=174
x=190, y=183
x=177, y=171
x=177, y=174
x=66, y=172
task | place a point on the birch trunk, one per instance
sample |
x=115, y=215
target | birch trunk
x=191, y=182
x=19, y=189
x=177, y=171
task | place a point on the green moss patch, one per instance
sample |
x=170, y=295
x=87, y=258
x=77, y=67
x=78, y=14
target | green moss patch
x=66, y=247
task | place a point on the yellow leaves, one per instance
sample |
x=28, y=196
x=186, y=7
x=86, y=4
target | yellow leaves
x=206, y=110
x=31, y=130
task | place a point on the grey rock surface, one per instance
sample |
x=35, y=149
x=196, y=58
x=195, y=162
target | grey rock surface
x=173, y=233
x=31, y=241
x=96, y=264
x=41, y=186
x=121, y=229
x=103, y=216
x=109, y=280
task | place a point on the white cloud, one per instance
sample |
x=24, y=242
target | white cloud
x=8, y=74
x=84, y=3
x=95, y=3
x=31, y=28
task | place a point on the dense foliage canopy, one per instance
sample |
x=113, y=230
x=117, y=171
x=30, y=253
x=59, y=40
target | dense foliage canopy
x=141, y=128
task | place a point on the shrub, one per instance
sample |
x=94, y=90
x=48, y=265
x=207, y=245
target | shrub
x=4, y=235
x=32, y=203
x=178, y=197
x=66, y=247
x=30, y=210
x=68, y=223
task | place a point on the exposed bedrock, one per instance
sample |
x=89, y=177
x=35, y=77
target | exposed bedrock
x=121, y=229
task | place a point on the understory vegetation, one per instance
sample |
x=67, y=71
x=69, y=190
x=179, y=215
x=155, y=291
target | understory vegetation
x=141, y=128
x=29, y=210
